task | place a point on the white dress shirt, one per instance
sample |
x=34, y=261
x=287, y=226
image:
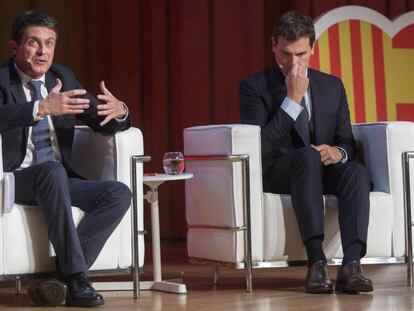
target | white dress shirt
x=30, y=157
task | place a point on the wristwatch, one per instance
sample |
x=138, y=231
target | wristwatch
x=343, y=154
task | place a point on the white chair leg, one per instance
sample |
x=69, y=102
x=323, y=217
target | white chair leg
x=18, y=285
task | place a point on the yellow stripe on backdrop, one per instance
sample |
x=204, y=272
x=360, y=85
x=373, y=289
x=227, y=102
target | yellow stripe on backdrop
x=346, y=65
x=399, y=75
x=368, y=70
x=324, y=60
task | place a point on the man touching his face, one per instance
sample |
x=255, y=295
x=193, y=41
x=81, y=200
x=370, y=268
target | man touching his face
x=308, y=149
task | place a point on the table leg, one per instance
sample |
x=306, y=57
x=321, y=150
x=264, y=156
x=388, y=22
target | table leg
x=155, y=225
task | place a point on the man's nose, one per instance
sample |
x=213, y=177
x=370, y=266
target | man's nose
x=41, y=49
x=295, y=60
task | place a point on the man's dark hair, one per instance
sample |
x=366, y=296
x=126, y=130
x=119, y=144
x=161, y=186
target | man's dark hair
x=32, y=18
x=293, y=25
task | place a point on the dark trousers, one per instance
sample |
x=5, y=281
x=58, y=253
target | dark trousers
x=104, y=202
x=302, y=175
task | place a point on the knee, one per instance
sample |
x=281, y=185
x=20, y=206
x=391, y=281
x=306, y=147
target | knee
x=122, y=194
x=307, y=157
x=357, y=173
x=52, y=172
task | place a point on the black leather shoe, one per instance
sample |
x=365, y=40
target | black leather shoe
x=47, y=293
x=81, y=293
x=351, y=280
x=317, y=279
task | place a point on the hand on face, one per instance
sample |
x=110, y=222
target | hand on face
x=112, y=108
x=329, y=155
x=297, y=83
x=57, y=103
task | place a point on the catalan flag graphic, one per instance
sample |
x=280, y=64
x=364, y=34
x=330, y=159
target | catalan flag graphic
x=376, y=68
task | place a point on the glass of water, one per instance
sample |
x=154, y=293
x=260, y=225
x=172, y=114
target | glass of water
x=173, y=163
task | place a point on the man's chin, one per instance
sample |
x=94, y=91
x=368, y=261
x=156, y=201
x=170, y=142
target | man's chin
x=38, y=72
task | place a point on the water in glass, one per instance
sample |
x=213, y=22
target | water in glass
x=173, y=163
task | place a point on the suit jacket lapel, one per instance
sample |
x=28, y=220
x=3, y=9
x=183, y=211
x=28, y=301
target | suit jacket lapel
x=16, y=89
x=317, y=116
x=16, y=85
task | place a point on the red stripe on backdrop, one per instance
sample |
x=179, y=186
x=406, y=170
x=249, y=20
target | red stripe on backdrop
x=334, y=52
x=379, y=74
x=404, y=38
x=314, y=61
x=405, y=112
x=357, y=71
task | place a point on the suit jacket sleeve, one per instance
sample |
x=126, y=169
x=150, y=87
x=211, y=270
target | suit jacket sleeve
x=13, y=116
x=90, y=116
x=343, y=134
x=254, y=109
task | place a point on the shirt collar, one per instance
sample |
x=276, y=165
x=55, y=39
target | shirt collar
x=25, y=78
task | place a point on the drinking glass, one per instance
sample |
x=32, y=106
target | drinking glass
x=173, y=163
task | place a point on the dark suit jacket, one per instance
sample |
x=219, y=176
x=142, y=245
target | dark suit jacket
x=261, y=96
x=16, y=116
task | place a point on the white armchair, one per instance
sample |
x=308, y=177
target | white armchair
x=217, y=233
x=24, y=246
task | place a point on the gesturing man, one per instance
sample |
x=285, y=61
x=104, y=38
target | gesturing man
x=308, y=150
x=39, y=103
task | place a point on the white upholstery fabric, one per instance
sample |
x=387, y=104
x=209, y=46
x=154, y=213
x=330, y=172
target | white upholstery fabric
x=213, y=196
x=218, y=184
x=24, y=246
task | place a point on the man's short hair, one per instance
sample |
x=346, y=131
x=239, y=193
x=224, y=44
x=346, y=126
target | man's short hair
x=32, y=18
x=293, y=25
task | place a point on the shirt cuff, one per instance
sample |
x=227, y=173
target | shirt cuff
x=36, y=110
x=292, y=108
x=346, y=155
x=126, y=114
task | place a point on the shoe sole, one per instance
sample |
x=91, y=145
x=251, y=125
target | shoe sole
x=354, y=290
x=47, y=293
x=70, y=303
x=319, y=290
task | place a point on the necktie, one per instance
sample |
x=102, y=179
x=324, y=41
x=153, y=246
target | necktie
x=40, y=132
x=302, y=125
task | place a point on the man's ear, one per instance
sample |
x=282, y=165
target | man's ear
x=13, y=47
x=313, y=48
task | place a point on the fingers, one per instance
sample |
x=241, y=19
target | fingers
x=103, y=88
x=75, y=92
x=326, y=154
x=317, y=148
x=105, y=98
x=57, y=87
x=106, y=120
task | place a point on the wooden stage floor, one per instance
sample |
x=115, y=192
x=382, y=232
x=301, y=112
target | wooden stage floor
x=274, y=289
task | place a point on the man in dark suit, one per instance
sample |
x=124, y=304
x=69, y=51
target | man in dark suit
x=308, y=150
x=39, y=103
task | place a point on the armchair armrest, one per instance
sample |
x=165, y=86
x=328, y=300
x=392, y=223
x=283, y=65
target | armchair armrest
x=382, y=145
x=214, y=196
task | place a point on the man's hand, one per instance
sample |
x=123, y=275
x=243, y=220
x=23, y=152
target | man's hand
x=113, y=108
x=57, y=103
x=329, y=155
x=297, y=83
